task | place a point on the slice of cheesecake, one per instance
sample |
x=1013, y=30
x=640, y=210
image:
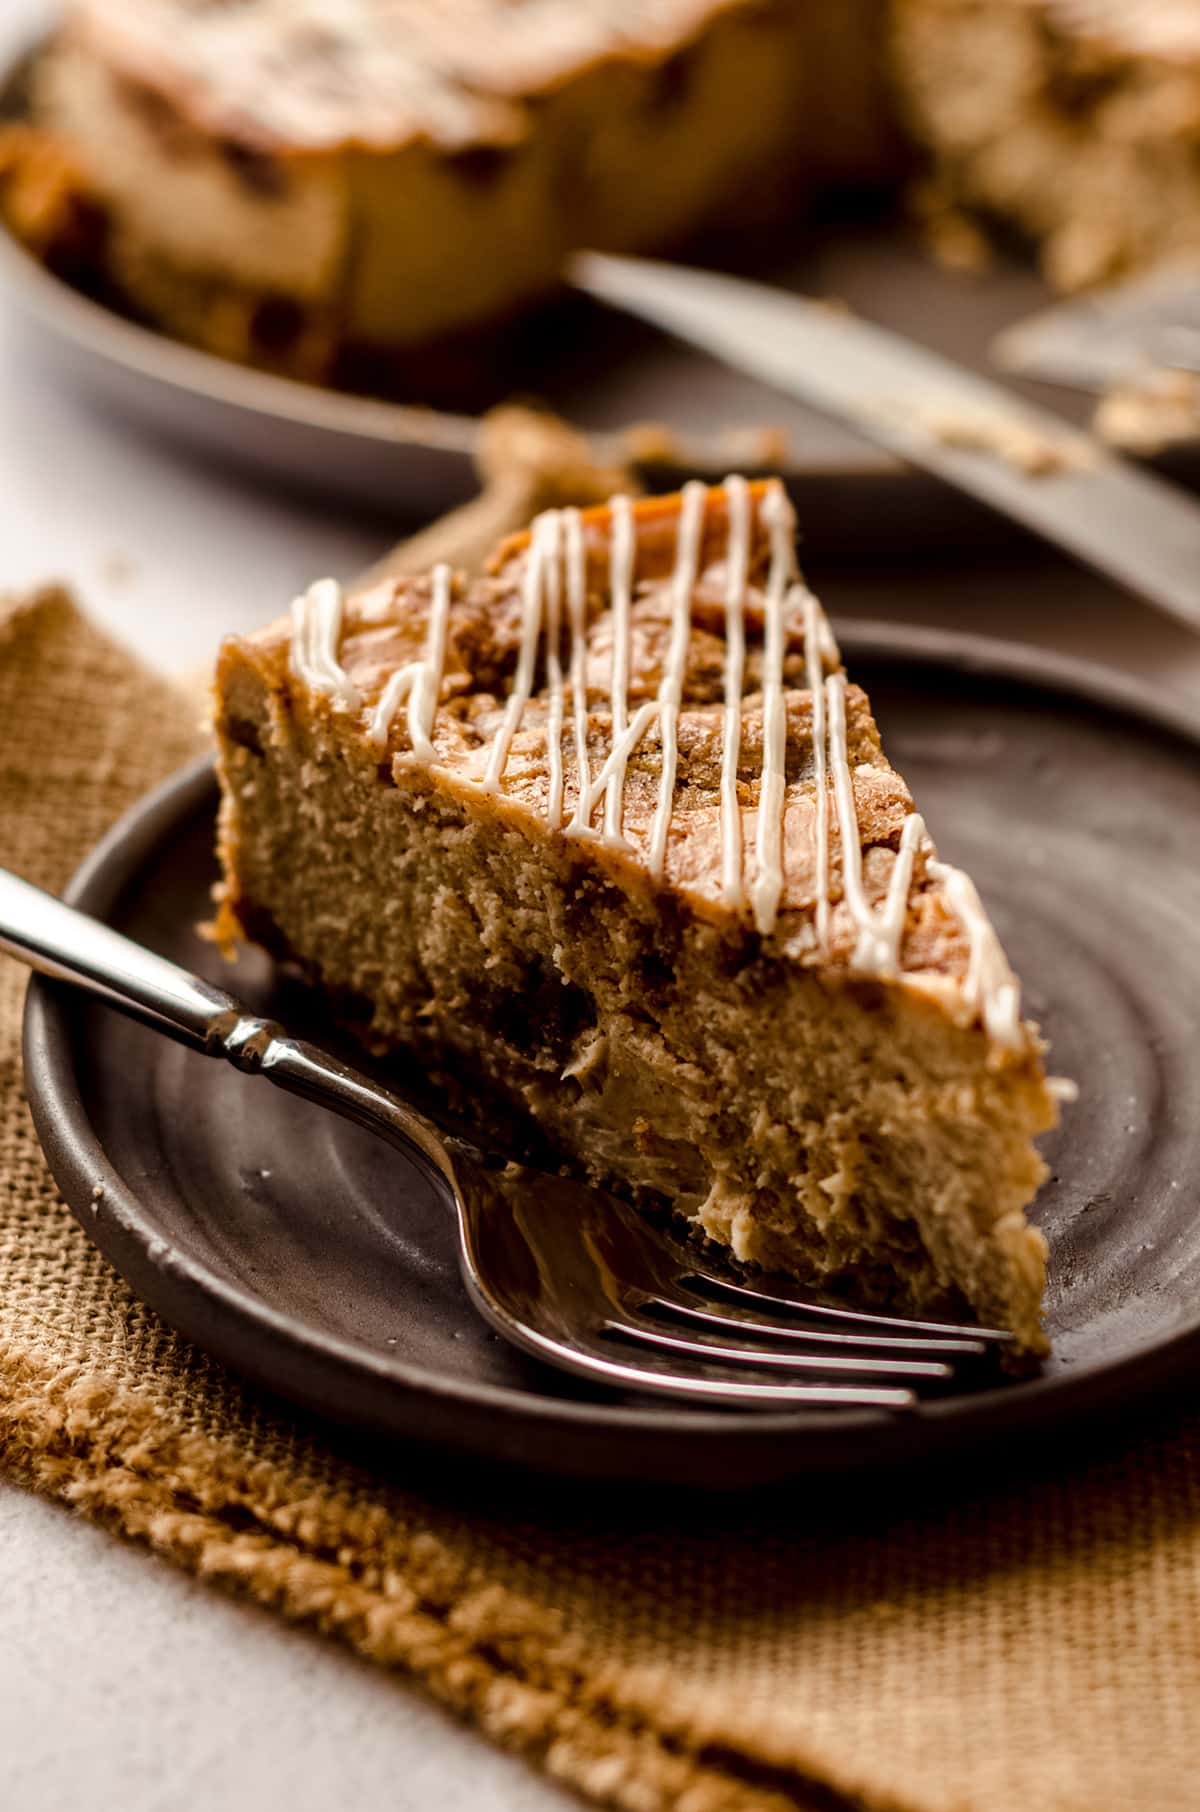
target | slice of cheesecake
x=325, y=189
x=608, y=834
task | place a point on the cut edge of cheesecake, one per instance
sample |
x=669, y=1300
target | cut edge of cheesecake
x=607, y=833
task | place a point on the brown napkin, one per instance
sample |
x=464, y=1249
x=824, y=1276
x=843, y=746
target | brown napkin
x=1024, y=1646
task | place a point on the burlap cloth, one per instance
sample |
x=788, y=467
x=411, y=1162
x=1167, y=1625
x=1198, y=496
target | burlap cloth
x=1009, y=1647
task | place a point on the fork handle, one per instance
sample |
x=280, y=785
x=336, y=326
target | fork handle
x=59, y=941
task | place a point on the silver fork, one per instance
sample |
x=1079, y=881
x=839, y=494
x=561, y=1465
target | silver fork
x=566, y=1272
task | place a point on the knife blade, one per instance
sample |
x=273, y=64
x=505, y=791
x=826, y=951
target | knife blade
x=1025, y=462
x=1110, y=336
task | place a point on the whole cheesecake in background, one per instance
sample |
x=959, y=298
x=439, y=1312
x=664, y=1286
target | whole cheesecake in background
x=363, y=194
x=1075, y=121
x=607, y=834
x=318, y=187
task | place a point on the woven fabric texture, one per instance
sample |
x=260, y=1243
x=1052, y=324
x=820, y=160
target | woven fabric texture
x=947, y=1646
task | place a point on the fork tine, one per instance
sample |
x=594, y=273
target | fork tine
x=729, y=1393
x=825, y=1311
x=567, y=1279
x=730, y=1322
x=710, y=1352
x=650, y=1375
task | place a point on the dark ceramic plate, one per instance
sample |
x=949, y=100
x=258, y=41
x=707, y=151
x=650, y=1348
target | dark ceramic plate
x=308, y=1256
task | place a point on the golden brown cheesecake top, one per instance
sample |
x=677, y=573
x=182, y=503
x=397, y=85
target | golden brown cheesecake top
x=655, y=685
x=322, y=74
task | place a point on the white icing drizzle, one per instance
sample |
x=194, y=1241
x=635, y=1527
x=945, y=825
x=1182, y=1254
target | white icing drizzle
x=814, y=662
x=871, y=953
x=737, y=575
x=664, y=709
x=889, y=928
x=556, y=571
x=990, y=988
x=670, y=691
x=316, y=636
x=879, y=930
x=576, y=564
x=618, y=758
x=543, y=539
x=780, y=519
x=398, y=688
x=419, y=682
x=621, y=557
x=554, y=672
x=423, y=699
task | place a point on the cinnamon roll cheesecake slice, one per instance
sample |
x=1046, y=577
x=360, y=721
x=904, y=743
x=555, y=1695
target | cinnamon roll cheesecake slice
x=606, y=833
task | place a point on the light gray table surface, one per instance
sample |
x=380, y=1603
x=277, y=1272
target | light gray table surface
x=123, y=1684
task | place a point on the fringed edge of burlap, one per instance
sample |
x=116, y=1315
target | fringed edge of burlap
x=478, y=1648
